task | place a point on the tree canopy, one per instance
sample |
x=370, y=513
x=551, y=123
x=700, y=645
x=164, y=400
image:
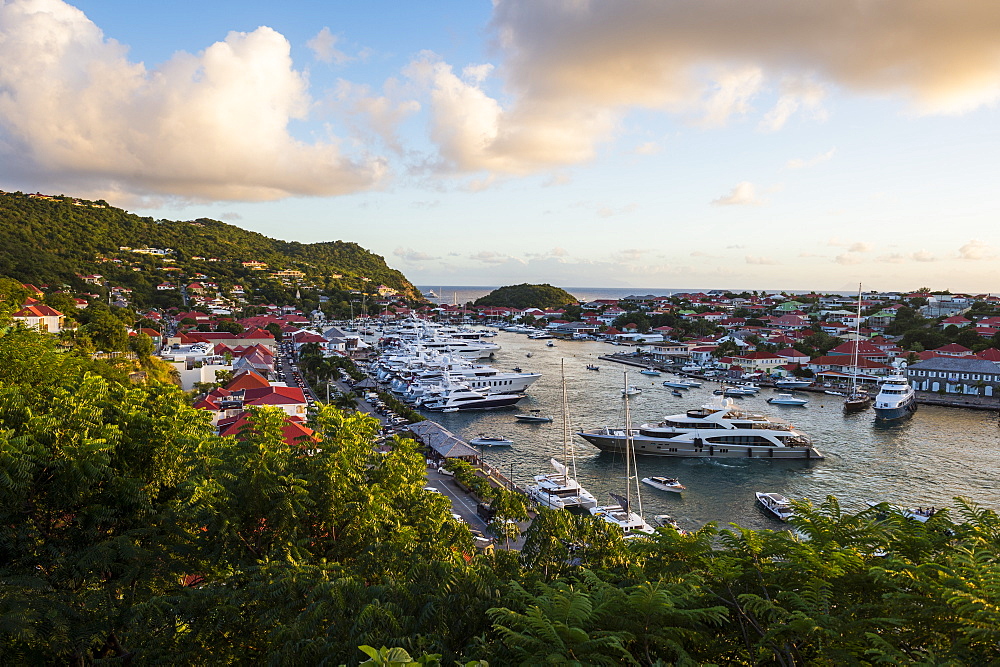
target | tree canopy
x=527, y=295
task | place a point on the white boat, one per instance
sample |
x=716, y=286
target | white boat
x=650, y=371
x=737, y=391
x=676, y=384
x=921, y=514
x=592, y=367
x=895, y=400
x=561, y=490
x=667, y=521
x=715, y=430
x=550, y=344
x=631, y=390
x=787, y=399
x=470, y=399
x=534, y=417
x=539, y=336
x=792, y=383
x=664, y=483
x=491, y=441
x=776, y=504
x=621, y=514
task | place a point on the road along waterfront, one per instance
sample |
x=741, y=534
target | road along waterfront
x=925, y=461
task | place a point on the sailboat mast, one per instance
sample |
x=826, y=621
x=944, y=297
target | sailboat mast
x=628, y=446
x=857, y=343
x=565, y=425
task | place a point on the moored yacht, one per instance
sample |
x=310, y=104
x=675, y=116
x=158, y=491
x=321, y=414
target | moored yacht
x=776, y=504
x=470, y=399
x=717, y=430
x=895, y=400
x=792, y=383
x=665, y=483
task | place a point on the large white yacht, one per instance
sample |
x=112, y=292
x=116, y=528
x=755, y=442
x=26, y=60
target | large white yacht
x=559, y=490
x=896, y=399
x=717, y=429
x=461, y=399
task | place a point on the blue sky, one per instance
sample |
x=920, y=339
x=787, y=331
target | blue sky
x=650, y=143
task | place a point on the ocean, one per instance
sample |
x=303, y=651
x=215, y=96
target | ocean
x=925, y=461
x=460, y=294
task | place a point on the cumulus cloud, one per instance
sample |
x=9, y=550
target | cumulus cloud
x=410, y=255
x=676, y=54
x=743, y=194
x=324, y=48
x=491, y=257
x=472, y=131
x=976, y=250
x=630, y=254
x=923, y=256
x=77, y=114
x=847, y=258
x=751, y=259
x=799, y=163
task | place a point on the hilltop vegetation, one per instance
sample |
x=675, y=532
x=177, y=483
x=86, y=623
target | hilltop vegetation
x=53, y=240
x=526, y=295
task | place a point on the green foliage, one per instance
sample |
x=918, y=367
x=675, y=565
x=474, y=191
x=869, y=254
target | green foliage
x=52, y=242
x=527, y=296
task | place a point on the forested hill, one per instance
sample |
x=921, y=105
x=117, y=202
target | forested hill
x=527, y=296
x=51, y=240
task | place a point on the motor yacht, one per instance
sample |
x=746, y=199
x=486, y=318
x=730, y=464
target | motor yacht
x=470, y=399
x=895, y=400
x=792, y=383
x=715, y=430
x=664, y=483
x=775, y=503
x=787, y=399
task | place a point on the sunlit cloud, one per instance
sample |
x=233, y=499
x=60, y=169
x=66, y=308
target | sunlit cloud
x=976, y=250
x=799, y=163
x=410, y=255
x=743, y=194
x=648, y=148
x=923, y=256
x=78, y=115
x=847, y=258
x=324, y=48
x=751, y=259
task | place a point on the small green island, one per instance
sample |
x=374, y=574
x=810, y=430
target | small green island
x=527, y=295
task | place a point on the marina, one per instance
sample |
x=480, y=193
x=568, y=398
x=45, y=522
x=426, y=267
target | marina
x=938, y=454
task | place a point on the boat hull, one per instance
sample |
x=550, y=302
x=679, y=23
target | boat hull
x=652, y=447
x=896, y=413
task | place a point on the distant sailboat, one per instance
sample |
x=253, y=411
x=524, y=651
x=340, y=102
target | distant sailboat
x=857, y=399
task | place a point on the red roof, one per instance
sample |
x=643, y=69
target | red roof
x=37, y=310
x=990, y=354
x=272, y=395
x=248, y=380
x=952, y=349
x=293, y=432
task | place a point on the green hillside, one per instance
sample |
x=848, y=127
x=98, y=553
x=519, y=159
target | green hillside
x=54, y=240
x=527, y=296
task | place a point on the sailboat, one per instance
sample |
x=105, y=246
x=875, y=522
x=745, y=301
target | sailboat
x=621, y=514
x=560, y=490
x=857, y=399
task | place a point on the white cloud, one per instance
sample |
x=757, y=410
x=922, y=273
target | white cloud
x=923, y=256
x=648, y=148
x=799, y=163
x=743, y=194
x=976, y=250
x=76, y=115
x=410, y=255
x=324, y=48
x=847, y=258
x=751, y=259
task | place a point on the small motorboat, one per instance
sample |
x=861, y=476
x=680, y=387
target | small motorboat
x=517, y=369
x=650, y=371
x=787, y=399
x=450, y=410
x=776, y=504
x=677, y=392
x=550, y=344
x=677, y=384
x=528, y=355
x=534, y=417
x=632, y=390
x=667, y=521
x=921, y=514
x=592, y=367
x=491, y=441
x=664, y=483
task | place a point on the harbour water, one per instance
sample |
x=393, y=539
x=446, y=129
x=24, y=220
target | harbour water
x=925, y=461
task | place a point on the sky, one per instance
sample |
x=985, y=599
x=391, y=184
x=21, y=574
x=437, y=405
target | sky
x=774, y=144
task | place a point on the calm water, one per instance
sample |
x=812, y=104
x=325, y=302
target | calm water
x=464, y=293
x=938, y=454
